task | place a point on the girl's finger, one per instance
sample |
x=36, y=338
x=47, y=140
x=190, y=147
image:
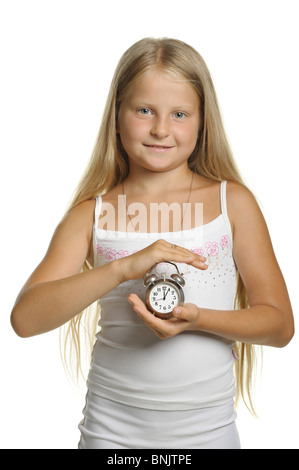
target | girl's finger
x=192, y=258
x=178, y=248
x=145, y=314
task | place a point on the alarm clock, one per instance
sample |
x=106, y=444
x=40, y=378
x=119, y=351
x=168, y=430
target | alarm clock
x=163, y=293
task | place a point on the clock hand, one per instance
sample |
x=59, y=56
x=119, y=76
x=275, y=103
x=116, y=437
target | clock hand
x=165, y=294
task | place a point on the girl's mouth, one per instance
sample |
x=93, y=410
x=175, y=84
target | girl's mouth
x=158, y=148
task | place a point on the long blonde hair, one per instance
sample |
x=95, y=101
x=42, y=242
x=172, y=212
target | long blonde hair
x=109, y=166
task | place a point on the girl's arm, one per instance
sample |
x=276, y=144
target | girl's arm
x=269, y=320
x=57, y=290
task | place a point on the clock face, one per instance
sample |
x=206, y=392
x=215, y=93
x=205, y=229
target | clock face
x=163, y=297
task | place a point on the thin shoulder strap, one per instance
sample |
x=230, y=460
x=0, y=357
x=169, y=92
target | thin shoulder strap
x=97, y=209
x=223, y=197
x=97, y=212
x=223, y=202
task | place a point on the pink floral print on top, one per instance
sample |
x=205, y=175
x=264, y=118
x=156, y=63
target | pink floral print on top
x=110, y=254
x=211, y=250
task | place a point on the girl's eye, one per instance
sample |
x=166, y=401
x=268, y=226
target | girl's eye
x=179, y=115
x=144, y=111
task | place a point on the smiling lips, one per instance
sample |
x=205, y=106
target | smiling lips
x=158, y=148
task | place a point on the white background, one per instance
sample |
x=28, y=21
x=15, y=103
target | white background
x=57, y=60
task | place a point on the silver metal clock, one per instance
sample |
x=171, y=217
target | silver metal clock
x=164, y=293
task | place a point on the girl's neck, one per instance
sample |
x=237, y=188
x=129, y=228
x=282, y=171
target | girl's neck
x=148, y=182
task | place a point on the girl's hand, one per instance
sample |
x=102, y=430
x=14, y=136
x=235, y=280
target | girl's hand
x=137, y=265
x=184, y=317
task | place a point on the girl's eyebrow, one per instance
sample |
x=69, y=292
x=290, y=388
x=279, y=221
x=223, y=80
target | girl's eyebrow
x=144, y=104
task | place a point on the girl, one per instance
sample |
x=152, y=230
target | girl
x=161, y=156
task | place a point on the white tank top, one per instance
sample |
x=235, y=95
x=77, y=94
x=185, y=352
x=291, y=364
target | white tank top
x=130, y=364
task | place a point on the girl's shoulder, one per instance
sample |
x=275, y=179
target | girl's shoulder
x=77, y=226
x=239, y=197
x=242, y=207
x=81, y=214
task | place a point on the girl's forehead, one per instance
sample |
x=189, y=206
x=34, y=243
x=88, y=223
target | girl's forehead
x=157, y=80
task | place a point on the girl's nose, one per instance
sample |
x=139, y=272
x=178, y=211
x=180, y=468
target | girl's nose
x=160, y=129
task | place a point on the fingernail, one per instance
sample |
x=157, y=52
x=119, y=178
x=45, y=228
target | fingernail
x=177, y=311
x=204, y=265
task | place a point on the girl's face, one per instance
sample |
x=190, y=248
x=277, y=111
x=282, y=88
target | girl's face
x=158, y=121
